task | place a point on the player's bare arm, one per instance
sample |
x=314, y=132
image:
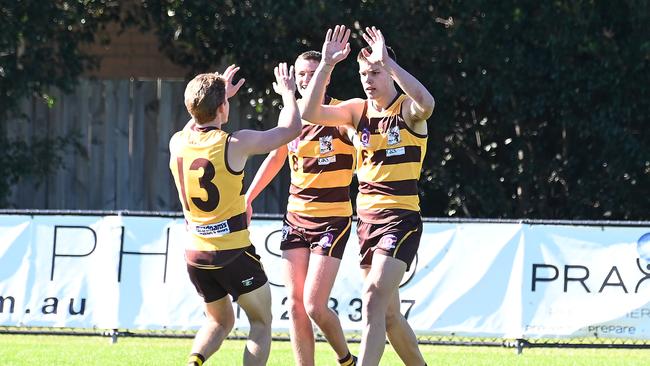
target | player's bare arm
x=335, y=49
x=245, y=143
x=265, y=174
x=420, y=104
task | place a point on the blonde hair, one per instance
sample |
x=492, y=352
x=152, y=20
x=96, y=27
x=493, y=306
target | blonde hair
x=203, y=95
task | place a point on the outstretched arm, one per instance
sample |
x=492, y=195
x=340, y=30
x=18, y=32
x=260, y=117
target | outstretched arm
x=265, y=174
x=245, y=143
x=421, y=104
x=335, y=49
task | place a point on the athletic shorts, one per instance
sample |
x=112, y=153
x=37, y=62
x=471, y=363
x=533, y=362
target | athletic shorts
x=322, y=235
x=243, y=275
x=398, y=238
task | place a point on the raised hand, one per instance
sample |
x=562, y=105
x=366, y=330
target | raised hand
x=228, y=75
x=336, y=46
x=284, y=79
x=375, y=40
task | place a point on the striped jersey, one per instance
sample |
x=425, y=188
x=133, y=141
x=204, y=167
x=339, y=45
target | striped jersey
x=390, y=156
x=322, y=161
x=212, y=196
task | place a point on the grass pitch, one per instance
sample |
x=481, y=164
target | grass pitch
x=87, y=351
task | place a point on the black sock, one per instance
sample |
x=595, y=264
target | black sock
x=196, y=359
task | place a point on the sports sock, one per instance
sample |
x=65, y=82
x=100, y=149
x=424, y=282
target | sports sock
x=196, y=359
x=348, y=360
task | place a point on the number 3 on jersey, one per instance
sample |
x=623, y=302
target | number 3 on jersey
x=205, y=183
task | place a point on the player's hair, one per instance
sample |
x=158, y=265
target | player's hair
x=361, y=57
x=203, y=95
x=310, y=55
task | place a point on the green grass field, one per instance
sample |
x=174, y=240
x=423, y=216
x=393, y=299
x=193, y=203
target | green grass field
x=77, y=350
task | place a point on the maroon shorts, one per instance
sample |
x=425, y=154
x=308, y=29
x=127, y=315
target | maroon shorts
x=243, y=275
x=322, y=235
x=399, y=238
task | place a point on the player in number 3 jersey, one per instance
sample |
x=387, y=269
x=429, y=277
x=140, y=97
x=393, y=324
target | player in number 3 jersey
x=207, y=164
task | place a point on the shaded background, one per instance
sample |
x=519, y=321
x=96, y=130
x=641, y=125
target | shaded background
x=542, y=108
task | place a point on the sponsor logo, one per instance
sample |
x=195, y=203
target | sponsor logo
x=212, y=230
x=578, y=277
x=387, y=242
x=395, y=152
x=247, y=282
x=365, y=137
x=394, y=137
x=325, y=143
x=326, y=240
x=326, y=161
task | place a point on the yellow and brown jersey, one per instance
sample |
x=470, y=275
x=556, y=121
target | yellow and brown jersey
x=322, y=161
x=390, y=156
x=212, y=196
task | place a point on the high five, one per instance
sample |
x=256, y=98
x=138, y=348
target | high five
x=390, y=139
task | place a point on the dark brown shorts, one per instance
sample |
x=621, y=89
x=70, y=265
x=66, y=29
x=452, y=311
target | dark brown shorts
x=243, y=275
x=399, y=239
x=322, y=235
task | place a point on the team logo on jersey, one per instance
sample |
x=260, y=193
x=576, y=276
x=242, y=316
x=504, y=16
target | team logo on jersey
x=285, y=232
x=387, y=242
x=247, y=282
x=326, y=240
x=327, y=161
x=325, y=144
x=293, y=145
x=365, y=137
x=394, y=137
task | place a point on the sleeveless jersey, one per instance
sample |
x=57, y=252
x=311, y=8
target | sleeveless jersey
x=390, y=158
x=322, y=161
x=212, y=197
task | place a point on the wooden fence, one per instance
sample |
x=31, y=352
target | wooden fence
x=124, y=127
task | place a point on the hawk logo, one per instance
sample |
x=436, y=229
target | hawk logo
x=325, y=144
x=247, y=282
x=394, y=137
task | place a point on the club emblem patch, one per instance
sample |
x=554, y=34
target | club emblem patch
x=326, y=240
x=387, y=242
x=365, y=137
x=325, y=143
x=394, y=137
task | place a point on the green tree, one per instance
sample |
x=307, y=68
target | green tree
x=541, y=106
x=40, y=49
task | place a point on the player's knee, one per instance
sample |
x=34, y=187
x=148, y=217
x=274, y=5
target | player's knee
x=392, y=317
x=226, y=323
x=296, y=308
x=373, y=304
x=317, y=312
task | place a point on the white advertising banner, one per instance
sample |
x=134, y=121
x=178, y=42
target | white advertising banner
x=511, y=280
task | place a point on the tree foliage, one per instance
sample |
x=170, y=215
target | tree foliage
x=40, y=49
x=542, y=107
